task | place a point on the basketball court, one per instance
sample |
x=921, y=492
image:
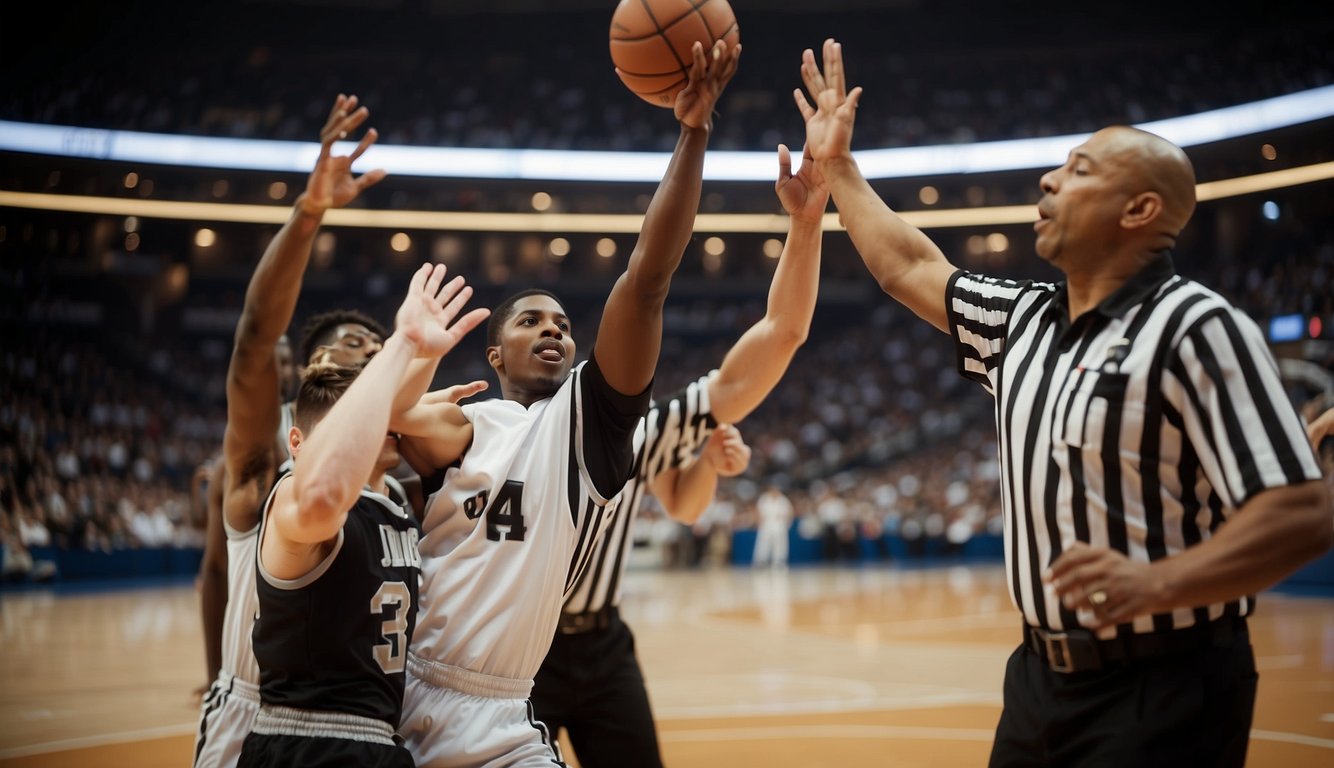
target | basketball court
x=808, y=667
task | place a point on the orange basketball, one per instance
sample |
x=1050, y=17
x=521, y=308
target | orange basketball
x=651, y=41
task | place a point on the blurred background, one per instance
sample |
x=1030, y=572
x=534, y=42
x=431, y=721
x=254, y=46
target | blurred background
x=118, y=326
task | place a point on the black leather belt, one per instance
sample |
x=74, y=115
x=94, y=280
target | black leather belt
x=1079, y=650
x=589, y=621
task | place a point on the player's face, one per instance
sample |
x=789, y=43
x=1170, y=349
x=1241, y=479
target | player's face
x=353, y=344
x=289, y=378
x=536, y=349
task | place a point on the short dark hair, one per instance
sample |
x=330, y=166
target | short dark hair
x=321, y=386
x=503, y=311
x=319, y=329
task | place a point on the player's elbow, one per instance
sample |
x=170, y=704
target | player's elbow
x=648, y=282
x=319, y=504
x=1313, y=510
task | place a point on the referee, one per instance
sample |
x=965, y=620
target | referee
x=590, y=683
x=1155, y=476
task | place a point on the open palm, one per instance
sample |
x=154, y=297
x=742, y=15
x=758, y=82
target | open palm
x=829, y=122
x=427, y=315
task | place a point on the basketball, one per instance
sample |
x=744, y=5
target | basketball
x=651, y=41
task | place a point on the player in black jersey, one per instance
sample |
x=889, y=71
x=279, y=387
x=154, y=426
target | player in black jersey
x=258, y=419
x=338, y=564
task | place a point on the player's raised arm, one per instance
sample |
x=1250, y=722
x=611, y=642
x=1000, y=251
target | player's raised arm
x=336, y=458
x=905, y=262
x=630, y=333
x=270, y=300
x=756, y=363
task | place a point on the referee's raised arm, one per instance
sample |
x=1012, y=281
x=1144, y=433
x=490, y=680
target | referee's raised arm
x=903, y=259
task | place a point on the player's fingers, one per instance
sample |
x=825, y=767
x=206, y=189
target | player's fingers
x=853, y=99
x=370, y=179
x=419, y=278
x=457, y=300
x=803, y=106
x=336, y=114
x=833, y=65
x=810, y=73
x=469, y=322
x=731, y=63
x=365, y=143
x=434, y=280
x=784, y=163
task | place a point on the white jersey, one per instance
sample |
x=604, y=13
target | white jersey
x=674, y=430
x=516, y=520
x=238, y=658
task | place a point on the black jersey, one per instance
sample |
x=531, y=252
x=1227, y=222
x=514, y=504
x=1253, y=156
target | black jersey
x=336, y=639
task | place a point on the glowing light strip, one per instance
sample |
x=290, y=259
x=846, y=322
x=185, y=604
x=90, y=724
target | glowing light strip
x=557, y=165
x=591, y=222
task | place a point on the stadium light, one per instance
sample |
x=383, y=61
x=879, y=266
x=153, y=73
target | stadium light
x=559, y=165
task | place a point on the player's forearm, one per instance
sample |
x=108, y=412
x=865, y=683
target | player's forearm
x=757, y=362
x=416, y=381
x=339, y=454
x=670, y=219
x=212, y=608
x=796, y=281
x=1272, y=536
x=271, y=296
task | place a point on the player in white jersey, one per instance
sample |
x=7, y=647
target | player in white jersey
x=252, y=446
x=536, y=477
x=591, y=684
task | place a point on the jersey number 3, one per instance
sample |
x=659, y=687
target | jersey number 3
x=390, y=654
x=504, y=516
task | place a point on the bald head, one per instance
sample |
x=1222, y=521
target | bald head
x=1150, y=163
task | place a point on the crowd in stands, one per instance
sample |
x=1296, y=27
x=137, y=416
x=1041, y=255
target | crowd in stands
x=870, y=433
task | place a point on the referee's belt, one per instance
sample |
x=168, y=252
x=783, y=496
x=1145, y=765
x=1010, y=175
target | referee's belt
x=588, y=621
x=1079, y=650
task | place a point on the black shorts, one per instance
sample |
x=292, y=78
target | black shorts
x=285, y=751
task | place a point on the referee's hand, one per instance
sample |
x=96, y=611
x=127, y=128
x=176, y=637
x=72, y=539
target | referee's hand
x=1106, y=583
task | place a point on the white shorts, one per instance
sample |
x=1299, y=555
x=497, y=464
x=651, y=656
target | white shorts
x=455, y=718
x=225, y=719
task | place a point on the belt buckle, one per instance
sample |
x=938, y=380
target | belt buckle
x=1058, y=646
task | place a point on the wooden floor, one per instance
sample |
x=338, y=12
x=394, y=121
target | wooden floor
x=808, y=667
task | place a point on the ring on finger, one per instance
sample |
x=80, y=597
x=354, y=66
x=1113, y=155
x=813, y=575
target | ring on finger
x=1098, y=598
x=342, y=134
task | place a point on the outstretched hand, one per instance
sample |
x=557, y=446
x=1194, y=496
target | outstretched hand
x=453, y=394
x=804, y=195
x=708, y=77
x=331, y=184
x=426, y=317
x=829, y=122
x=726, y=451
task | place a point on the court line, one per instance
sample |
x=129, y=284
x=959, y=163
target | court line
x=699, y=735
x=883, y=732
x=106, y=739
x=762, y=733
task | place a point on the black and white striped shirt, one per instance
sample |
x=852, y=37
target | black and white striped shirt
x=673, y=430
x=1142, y=426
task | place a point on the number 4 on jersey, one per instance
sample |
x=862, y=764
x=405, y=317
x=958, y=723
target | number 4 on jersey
x=504, y=518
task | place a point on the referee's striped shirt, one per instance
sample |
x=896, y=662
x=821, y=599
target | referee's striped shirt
x=1142, y=426
x=671, y=432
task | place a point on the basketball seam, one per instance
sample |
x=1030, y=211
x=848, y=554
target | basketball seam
x=664, y=27
x=649, y=10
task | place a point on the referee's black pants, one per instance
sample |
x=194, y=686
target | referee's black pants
x=591, y=686
x=1185, y=709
